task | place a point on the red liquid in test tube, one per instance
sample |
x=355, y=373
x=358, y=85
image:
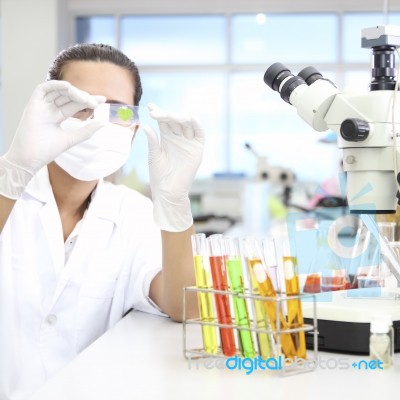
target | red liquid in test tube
x=222, y=303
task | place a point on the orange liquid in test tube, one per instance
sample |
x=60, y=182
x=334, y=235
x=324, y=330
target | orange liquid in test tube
x=295, y=314
x=256, y=261
x=266, y=289
x=222, y=304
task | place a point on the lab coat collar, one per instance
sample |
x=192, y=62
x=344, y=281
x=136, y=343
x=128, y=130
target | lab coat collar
x=103, y=203
x=39, y=187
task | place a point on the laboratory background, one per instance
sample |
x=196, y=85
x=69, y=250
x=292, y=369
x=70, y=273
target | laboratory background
x=262, y=164
x=206, y=58
x=210, y=63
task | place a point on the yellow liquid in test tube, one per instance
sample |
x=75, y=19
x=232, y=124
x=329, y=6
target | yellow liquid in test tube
x=266, y=289
x=265, y=341
x=203, y=281
x=295, y=314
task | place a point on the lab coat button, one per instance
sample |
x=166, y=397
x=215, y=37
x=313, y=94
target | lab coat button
x=51, y=319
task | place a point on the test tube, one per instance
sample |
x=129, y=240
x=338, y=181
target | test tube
x=203, y=281
x=387, y=229
x=386, y=277
x=269, y=254
x=294, y=308
x=236, y=281
x=265, y=341
x=258, y=269
x=220, y=282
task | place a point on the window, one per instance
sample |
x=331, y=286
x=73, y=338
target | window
x=196, y=93
x=212, y=66
x=353, y=23
x=289, y=38
x=174, y=40
x=100, y=29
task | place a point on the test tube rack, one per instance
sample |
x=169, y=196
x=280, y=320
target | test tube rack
x=296, y=367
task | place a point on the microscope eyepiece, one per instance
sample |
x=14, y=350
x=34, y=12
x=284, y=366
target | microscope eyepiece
x=279, y=78
x=275, y=75
x=310, y=75
x=288, y=87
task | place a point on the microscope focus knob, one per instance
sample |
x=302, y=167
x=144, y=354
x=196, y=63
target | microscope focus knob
x=354, y=130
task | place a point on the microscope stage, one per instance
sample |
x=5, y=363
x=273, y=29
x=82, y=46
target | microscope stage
x=344, y=318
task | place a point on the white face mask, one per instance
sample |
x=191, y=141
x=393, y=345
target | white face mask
x=99, y=156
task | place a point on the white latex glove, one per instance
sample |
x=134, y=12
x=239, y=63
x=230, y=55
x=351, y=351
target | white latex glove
x=39, y=138
x=173, y=162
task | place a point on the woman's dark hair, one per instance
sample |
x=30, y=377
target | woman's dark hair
x=100, y=53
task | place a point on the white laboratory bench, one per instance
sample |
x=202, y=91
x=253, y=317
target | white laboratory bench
x=142, y=357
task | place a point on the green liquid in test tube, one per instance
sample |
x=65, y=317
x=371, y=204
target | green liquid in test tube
x=235, y=274
x=205, y=300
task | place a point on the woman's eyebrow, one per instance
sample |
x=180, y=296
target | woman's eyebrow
x=111, y=101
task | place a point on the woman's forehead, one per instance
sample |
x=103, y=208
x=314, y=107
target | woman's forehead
x=101, y=78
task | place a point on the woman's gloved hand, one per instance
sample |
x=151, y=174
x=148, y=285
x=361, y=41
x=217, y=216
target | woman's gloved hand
x=39, y=139
x=173, y=162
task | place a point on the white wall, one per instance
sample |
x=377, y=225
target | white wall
x=228, y=6
x=29, y=42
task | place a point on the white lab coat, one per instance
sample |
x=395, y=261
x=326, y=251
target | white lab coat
x=51, y=310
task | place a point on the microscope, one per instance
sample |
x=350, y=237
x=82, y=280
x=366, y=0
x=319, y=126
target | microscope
x=367, y=125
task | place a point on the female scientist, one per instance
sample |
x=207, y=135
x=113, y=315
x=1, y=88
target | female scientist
x=76, y=252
